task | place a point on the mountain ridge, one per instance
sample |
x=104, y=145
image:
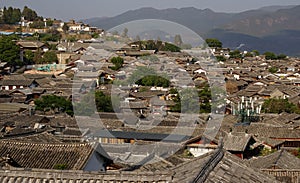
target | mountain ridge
x=255, y=28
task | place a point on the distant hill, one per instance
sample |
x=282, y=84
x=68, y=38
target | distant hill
x=268, y=23
x=273, y=28
x=275, y=8
x=198, y=20
x=286, y=42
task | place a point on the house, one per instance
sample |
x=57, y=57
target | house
x=271, y=144
x=121, y=137
x=32, y=46
x=281, y=164
x=4, y=67
x=200, y=145
x=138, y=108
x=158, y=105
x=268, y=93
x=74, y=47
x=242, y=145
x=21, y=95
x=12, y=82
x=13, y=108
x=79, y=156
x=5, y=96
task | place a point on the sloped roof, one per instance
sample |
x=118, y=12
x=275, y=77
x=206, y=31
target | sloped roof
x=134, y=105
x=12, y=107
x=46, y=156
x=237, y=141
x=232, y=170
x=30, y=44
x=280, y=159
x=260, y=130
x=43, y=137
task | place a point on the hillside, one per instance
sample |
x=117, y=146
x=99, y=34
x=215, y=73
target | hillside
x=274, y=28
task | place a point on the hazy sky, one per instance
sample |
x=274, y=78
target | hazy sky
x=81, y=9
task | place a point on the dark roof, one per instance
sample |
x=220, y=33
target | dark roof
x=72, y=132
x=23, y=82
x=237, y=141
x=227, y=169
x=46, y=156
x=25, y=120
x=63, y=121
x=147, y=94
x=141, y=136
x=133, y=105
x=30, y=44
x=12, y=107
x=44, y=137
x=280, y=160
x=260, y=130
x=232, y=170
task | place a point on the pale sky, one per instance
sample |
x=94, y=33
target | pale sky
x=82, y=9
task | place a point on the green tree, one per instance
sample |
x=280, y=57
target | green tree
x=171, y=48
x=50, y=57
x=214, y=43
x=281, y=56
x=204, y=99
x=221, y=58
x=37, y=58
x=235, y=54
x=10, y=15
x=186, y=101
x=9, y=50
x=85, y=106
x=72, y=39
x=273, y=70
x=141, y=72
x=249, y=54
x=29, y=14
x=28, y=57
x=37, y=24
x=118, y=62
x=103, y=102
x=65, y=28
x=153, y=80
x=15, y=16
x=265, y=152
x=255, y=52
x=56, y=103
x=278, y=106
x=60, y=167
x=49, y=23
x=51, y=35
x=270, y=55
x=95, y=35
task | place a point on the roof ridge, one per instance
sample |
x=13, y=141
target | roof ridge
x=46, y=144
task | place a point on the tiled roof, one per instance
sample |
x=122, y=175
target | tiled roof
x=46, y=156
x=35, y=138
x=259, y=130
x=30, y=44
x=280, y=160
x=232, y=170
x=237, y=141
x=10, y=82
